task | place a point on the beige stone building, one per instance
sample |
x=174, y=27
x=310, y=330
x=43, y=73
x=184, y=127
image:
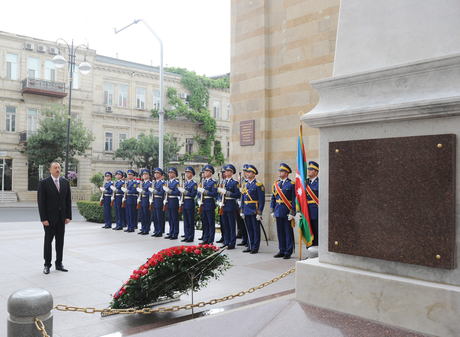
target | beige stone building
x=277, y=48
x=114, y=101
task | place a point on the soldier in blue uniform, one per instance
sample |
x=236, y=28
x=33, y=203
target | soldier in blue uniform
x=282, y=210
x=188, y=208
x=145, y=212
x=172, y=204
x=221, y=184
x=252, y=208
x=107, y=200
x=208, y=215
x=116, y=188
x=131, y=201
x=157, y=210
x=241, y=223
x=123, y=209
x=313, y=182
x=228, y=196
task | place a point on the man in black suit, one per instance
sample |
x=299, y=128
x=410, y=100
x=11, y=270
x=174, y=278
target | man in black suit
x=55, y=208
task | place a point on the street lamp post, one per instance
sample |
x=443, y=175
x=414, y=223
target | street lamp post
x=85, y=68
x=160, y=111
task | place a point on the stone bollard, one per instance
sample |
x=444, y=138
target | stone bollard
x=23, y=306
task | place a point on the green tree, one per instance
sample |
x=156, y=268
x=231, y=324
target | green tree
x=144, y=153
x=50, y=142
x=218, y=158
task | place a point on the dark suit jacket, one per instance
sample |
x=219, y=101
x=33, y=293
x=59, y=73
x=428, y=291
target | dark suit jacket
x=50, y=201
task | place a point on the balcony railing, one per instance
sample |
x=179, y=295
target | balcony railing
x=42, y=87
x=24, y=136
x=194, y=159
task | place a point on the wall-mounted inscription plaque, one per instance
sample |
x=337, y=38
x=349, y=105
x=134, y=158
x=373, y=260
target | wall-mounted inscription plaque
x=394, y=199
x=247, y=133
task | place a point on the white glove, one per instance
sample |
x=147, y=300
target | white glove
x=219, y=203
x=181, y=189
x=180, y=203
x=258, y=217
x=139, y=189
x=113, y=188
x=165, y=202
x=222, y=190
x=200, y=189
x=151, y=189
x=297, y=217
x=166, y=189
x=239, y=203
x=200, y=202
x=124, y=189
x=242, y=215
x=290, y=217
x=273, y=215
x=102, y=189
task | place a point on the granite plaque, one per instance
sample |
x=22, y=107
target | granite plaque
x=394, y=199
x=247, y=132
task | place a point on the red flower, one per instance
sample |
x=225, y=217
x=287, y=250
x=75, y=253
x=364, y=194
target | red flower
x=169, y=253
x=161, y=258
x=200, y=245
x=136, y=277
x=197, y=252
x=177, y=252
x=146, y=265
x=153, y=262
x=188, y=250
x=206, y=246
x=181, y=247
x=144, y=271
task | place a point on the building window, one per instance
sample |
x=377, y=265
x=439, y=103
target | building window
x=76, y=78
x=216, y=105
x=228, y=111
x=10, y=119
x=123, y=95
x=108, y=93
x=32, y=122
x=140, y=98
x=12, y=66
x=108, y=141
x=121, y=139
x=33, y=67
x=189, y=145
x=156, y=99
x=73, y=174
x=228, y=149
x=50, y=71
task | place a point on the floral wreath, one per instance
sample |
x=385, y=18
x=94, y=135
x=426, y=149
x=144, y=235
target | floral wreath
x=169, y=272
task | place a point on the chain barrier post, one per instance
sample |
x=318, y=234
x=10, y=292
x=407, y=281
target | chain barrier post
x=24, y=306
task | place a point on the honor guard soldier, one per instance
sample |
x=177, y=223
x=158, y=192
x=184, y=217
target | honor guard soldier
x=145, y=195
x=172, y=203
x=107, y=192
x=312, y=198
x=223, y=171
x=131, y=201
x=123, y=209
x=252, y=208
x=208, y=193
x=157, y=209
x=189, y=192
x=116, y=188
x=229, y=193
x=241, y=223
x=282, y=210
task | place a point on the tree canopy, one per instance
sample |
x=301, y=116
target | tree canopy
x=144, y=153
x=50, y=142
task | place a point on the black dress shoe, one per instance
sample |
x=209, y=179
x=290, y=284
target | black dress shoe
x=287, y=257
x=200, y=238
x=159, y=235
x=130, y=230
x=183, y=240
x=173, y=238
x=231, y=247
x=182, y=236
x=140, y=233
x=126, y=230
x=254, y=251
x=247, y=250
x=241, y=244
x=61, y=268
x=118, y=228
x=278, y=255
x=220, y=241
x=145, y=233
x=168, y=237
x=103, y=227
x=189, y=240
x=46, y=270
x=209, y=243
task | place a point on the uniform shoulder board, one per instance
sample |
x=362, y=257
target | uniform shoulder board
x=134, y=185
x=258, y=183
x=196, y=187
x=215, y=185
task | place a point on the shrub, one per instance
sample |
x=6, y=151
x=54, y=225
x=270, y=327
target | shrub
x=91, y=211
x=96, y=196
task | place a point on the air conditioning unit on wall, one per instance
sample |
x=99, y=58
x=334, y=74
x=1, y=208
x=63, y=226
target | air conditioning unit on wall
x=41, y=49
x=53, y=51
x=109, y=109
x=29, y=46
x=183, y=95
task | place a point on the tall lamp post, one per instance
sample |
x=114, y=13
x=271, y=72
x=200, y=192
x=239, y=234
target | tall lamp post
x=85, y=68
x=160, y=111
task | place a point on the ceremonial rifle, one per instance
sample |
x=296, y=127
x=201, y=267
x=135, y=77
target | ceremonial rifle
x=166, y=197
x=114, y=192
x=123, y=201
x=151, y=195
x=102, y=196
x=200, y=209
x=181, y=200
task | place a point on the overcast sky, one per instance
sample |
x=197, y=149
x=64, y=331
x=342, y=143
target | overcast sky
x=195, y=34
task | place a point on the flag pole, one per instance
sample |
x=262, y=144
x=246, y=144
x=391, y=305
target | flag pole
x=300, y=114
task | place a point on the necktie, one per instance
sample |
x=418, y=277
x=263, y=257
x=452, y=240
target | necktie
x=57, y=184
x=281, y=184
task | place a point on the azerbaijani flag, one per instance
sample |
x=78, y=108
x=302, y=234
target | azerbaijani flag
x=301, y=195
